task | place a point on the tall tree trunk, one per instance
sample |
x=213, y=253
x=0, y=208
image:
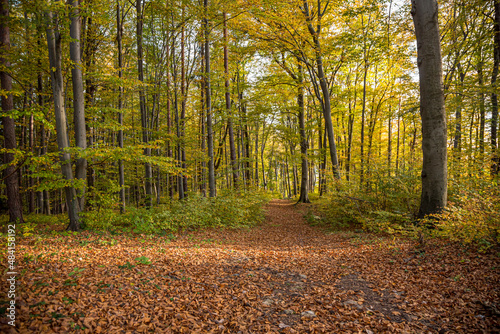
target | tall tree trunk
x=178, y=147
x=183, y=107
x=78, y=99
x=389, y=142
x=327, y=110
x=31, y=135
x=121, y=171
x=304, y=182
x=432, y=112
x=210, y=138
x=203, y=185
x=143, y=107
x=457, y=140
x=363, y=116
x=90, y=49
x=9, y=128
x=54, y=46
x=256, y=150
x=232, y=149
x=494, y=97
x=482, y=113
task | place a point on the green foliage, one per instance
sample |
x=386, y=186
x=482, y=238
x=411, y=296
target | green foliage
x=195, y=211
x=143, y=260
x=383, y=204
x=104, y=208
x=28, y=228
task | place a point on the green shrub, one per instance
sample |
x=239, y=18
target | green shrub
x=195, y=211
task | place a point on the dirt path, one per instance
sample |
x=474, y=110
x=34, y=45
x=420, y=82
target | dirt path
x=282, y=276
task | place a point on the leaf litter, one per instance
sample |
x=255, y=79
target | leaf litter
x=282, y=276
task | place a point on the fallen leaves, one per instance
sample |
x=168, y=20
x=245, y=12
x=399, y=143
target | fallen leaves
x=282, y=276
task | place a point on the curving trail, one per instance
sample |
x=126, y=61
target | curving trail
x=283, y=276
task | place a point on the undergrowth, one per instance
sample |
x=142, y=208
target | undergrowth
x=390, y=205
x=229, y=209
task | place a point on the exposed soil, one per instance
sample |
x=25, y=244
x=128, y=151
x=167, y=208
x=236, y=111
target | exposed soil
x=283, y=276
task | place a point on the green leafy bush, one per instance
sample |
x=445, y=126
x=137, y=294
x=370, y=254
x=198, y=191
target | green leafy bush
x=382, y=204
x=195, y=211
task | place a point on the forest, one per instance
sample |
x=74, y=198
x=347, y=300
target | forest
x=250, y=166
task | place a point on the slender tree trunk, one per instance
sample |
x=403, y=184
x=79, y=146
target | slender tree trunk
x=54, y=46
x=232, y=149
x=363, y=115
x=143, y=107
x=9, y=127
x=178, y=150
x=78, y=98
x=389, y=142
x=203, y=185
x=257, y=154
x=432, y=112
x=398, y=135
x=90, y=43
x=457, y=141
x=482, y=113
x=210, y=139
x=31, y=193
x=494, y=97
x=183, y=107
x=121, y=171
x=304, y=190
x=327, y=110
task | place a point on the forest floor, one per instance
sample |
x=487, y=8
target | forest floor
x=282, y=276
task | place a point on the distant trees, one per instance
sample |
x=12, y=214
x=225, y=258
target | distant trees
x=176, y=97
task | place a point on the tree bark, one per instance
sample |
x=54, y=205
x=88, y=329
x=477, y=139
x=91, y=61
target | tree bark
x=494, y=97
x=9, y=128
x=210, y=138
x=482, y=112
x=143, y=107
x=54, y=46
x=121, y=171
x=432, y=112
x=232, y=149
x=304, y=182
x=327, y=110
x=183, y=107
x=78, y=99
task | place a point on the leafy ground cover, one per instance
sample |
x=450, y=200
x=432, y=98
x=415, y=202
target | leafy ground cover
x=281, y=276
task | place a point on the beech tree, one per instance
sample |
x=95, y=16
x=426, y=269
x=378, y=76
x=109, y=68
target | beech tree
x=55, y=57
x=78, y=99
x=432, y=111
x=10, y=173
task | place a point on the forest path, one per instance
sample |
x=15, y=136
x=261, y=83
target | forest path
x=282, y=276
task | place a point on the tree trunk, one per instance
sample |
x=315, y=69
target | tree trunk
x=327, y=110
x=78, y=99
x=482, y=112
x=210, y=138
x=183, y=108
x=121, y=172
x=9, y=127
x=304, y=182
x=363, y=113
x=432, y=112
x=143, y=107
x=54, y=46
x=494, y=97
x=232, y=149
